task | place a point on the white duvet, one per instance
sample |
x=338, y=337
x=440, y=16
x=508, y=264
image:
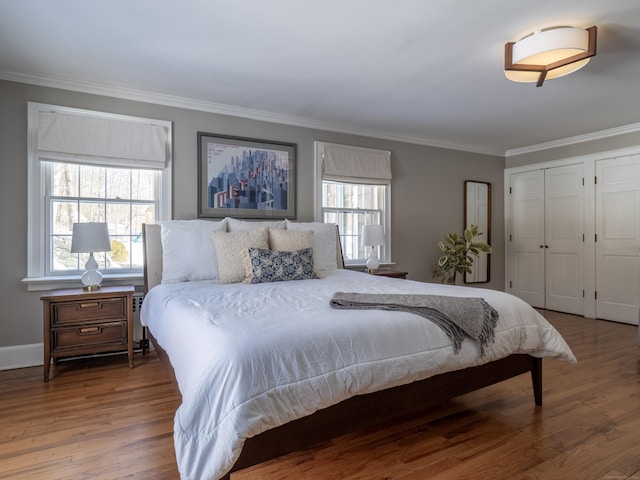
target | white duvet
x=251, y=357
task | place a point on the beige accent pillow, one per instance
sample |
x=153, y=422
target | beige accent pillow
x=293, y=240
x=229, y=247
x=290, y=240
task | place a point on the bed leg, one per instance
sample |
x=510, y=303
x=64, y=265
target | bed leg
x=144, y=343
x=536, y=379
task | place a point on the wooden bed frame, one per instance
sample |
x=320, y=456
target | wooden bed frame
x=362, y=410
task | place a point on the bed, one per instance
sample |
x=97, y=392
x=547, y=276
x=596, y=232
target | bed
x=269, y=368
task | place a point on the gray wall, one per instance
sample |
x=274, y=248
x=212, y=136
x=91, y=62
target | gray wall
x=427, y=189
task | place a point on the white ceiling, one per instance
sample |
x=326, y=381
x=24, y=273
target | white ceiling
x=425, y=71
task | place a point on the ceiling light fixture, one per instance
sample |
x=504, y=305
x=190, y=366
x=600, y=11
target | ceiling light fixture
x=549, y=53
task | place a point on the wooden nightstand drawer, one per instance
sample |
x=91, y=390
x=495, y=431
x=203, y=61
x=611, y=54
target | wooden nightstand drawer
x=87, y=337
x=91, y=309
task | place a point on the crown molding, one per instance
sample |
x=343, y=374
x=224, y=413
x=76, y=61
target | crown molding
x=97, y=88
x=588, y=137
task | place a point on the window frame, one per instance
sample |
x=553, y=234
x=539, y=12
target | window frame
x=319, y=210
x=104, y=201
x=38, y=208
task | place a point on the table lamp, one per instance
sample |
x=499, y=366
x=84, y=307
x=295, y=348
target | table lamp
x=372, y=235
x=89, y=238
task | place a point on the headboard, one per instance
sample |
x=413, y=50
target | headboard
x=152, y=253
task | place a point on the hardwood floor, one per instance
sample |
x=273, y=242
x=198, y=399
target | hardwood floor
x=97, y=419
x=94, y=419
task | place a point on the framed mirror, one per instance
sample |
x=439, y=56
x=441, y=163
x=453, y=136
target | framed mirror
x=477, y=211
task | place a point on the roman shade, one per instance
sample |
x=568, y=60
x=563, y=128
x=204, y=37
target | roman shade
x=342, y=163
x=77, y=136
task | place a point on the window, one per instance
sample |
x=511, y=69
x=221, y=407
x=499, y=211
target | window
x=123, y=198
x=354, y=190
x=93, y=167
x=351, y=206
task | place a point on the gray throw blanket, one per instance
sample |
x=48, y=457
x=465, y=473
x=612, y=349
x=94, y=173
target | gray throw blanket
x=457, y=316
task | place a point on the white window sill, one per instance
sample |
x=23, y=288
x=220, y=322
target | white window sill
x=36, y=284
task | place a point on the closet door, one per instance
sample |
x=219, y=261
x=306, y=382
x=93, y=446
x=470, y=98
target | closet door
x=618, y=239
x=527, y=237
x=564, y=239
x=547, y=238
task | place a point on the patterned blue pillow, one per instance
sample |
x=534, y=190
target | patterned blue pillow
x=263, y=266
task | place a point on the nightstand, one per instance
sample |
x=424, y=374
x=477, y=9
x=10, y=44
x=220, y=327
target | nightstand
x=391, y=273
x=77, y=322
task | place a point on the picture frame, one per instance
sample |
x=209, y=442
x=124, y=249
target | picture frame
x=245, y=177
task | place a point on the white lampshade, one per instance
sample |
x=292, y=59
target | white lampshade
x=372, y=235
x=549, y=53
x=89, y=238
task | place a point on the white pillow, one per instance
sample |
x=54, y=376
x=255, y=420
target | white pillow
x=188, y=252
x=236, y=225
x=229, y=247
x=324, y=242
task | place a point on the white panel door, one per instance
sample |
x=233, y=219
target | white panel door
x=527, y=237
x=618, y=239
x=564, y=234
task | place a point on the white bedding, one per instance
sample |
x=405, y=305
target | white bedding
x=251, y=357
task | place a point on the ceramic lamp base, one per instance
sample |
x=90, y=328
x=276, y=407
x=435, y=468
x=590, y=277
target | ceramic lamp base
x=373, y=264
x=91, y=278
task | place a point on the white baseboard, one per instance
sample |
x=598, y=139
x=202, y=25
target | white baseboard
x=20, y=356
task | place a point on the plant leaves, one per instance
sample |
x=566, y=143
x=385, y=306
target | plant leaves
x=458, y=254
x=468, y=236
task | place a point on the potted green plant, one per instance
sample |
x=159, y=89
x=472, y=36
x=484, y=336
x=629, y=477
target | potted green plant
x=458, y=254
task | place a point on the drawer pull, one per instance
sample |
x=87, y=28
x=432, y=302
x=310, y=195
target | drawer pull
x=84, y=306
x=89, y=330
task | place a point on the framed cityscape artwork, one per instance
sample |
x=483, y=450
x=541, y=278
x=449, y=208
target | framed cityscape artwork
x=245, y=178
